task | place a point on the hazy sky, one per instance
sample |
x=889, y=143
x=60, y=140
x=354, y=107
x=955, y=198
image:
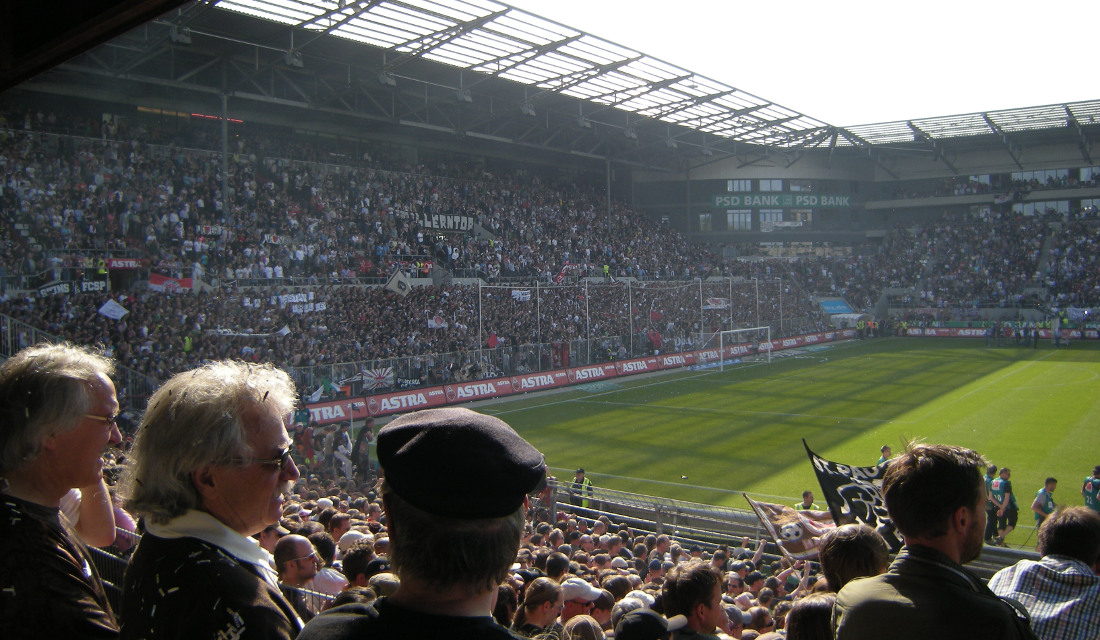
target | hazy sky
x=853, y=62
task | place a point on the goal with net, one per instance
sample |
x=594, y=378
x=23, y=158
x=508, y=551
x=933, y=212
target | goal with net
x=753, y=343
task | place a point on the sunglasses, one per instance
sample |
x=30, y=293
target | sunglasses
x=280, y=462
x=110, y=421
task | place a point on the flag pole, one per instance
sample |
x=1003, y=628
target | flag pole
x=630, y=311
x=729, y=323
x=587, y=323
x=702, y=322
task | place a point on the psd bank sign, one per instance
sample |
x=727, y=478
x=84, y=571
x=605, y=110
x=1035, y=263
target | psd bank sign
x=796, y=200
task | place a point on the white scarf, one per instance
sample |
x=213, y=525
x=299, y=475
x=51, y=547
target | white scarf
x=205, y=527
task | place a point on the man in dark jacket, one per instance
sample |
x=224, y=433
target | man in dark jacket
x=935, y=495
x=57, y=415
x=455, y=493
x=211, y=465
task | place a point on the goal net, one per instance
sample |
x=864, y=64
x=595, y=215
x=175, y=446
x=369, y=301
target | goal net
x=749, y=344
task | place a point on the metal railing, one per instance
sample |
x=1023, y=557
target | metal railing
x=132, y=387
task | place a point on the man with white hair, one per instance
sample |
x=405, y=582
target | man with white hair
x=57, y=414
x=211, y=465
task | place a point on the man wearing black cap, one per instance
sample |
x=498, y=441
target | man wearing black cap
x=643, y=624
x=455, y=491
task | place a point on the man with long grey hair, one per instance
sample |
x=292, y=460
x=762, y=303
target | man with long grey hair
x=57, y=414
x=211, y=464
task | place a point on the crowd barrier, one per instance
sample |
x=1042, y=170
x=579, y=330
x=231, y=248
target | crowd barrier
x=979, y=332
x=361, y=408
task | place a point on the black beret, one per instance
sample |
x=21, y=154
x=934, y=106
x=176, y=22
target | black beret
x=377, y=566
x=457, y=463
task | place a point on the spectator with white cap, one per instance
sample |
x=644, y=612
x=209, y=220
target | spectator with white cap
x=578, y=597
x=348, y=540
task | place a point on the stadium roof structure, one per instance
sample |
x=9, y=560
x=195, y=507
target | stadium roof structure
x=496, y=40
x=480, y=69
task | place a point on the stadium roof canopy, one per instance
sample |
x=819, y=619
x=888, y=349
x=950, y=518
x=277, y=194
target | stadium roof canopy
x=514, y=77
x=494, y=39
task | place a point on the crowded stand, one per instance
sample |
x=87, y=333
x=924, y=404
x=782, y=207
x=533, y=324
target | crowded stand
x=1074, y=275
x=357, y=544
x=298, y=219
x=306, y=223
x=312, y=218
x=1017, y=188
x=296, y=275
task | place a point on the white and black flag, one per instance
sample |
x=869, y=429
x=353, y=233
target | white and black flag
x=853, y=495
x=398, y=283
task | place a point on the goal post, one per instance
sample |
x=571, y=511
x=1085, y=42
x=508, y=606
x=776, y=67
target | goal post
x=745, y=344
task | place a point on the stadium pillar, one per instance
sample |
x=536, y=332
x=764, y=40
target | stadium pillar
x=225, y=160
x=630, y=312
x=607, y=172
x=587, y=323
x=701, y=320
x=781, y=307
x=756, y=283
x=729, y=325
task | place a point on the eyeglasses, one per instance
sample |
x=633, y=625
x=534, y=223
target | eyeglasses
x=110, y=421
x=279, y=462
x=312, y=556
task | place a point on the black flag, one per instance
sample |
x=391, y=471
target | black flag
x=853, y=495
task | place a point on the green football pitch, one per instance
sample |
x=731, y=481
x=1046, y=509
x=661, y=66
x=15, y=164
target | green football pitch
x=707, y=435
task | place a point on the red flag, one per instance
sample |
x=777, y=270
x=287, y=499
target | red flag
x=655, y=316
x=561, y=274
x=493, y=341
x=158, y=282
x=654, y=337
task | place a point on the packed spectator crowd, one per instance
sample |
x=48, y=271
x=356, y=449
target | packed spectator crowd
x=321, y=541
x=1015, y=188
x=306, y=214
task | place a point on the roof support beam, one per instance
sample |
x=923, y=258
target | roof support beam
x=573, y=79
x=1083, y=142
x=426, y=43
x=927, y=139
x=677, y=107
x=518, y=58
x=1013, y=150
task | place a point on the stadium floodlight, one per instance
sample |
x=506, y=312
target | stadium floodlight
x=527, y=109
x=463, y=95
x=630, y=133
x=386, y=79
x=293, y=58
x=180, y=35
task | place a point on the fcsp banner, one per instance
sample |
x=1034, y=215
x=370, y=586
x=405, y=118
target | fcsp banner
x=853, y=496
